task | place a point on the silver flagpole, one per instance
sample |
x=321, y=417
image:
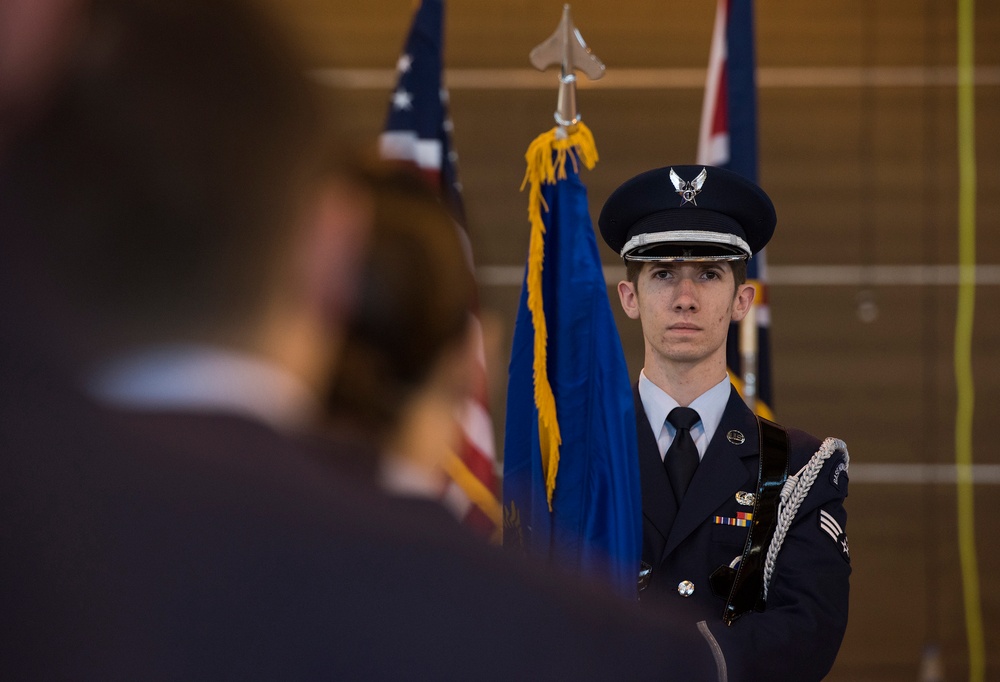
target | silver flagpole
x=748, y=356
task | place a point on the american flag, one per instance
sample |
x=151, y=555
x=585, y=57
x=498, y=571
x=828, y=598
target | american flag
x=728, y=138
x=418, y=130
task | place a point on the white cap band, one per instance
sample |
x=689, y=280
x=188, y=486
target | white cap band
x=685, y=236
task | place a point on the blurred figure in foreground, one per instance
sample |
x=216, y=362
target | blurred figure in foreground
x=408, y=354
x=177, y=268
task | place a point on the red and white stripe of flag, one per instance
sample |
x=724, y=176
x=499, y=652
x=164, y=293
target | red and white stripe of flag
x=713, y=137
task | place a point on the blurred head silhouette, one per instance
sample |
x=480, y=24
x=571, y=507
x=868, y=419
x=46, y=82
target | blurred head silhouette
x=176, y=185
x=407, y=362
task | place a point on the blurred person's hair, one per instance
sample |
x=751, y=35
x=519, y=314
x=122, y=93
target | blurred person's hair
x=413, y=302
x=164, y=179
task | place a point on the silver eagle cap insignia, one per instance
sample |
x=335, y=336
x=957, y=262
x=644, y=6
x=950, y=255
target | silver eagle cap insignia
x=688, y=190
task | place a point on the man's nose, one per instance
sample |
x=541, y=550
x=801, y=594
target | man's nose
x=685, y=299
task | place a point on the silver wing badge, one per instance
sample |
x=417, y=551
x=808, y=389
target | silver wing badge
x=688, y=190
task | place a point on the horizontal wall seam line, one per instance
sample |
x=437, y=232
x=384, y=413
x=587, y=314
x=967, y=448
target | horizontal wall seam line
x=665, y=79
x=801, y=275
x=983, y=474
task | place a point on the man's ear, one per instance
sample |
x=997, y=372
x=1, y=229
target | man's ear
x=744, y=299
x=630, y=298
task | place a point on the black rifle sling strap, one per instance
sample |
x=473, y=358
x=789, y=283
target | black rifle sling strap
x=747, y=590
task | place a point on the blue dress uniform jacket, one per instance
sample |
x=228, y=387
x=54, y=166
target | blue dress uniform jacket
x=798, y=634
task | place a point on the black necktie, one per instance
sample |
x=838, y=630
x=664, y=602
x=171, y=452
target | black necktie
x=682, y=458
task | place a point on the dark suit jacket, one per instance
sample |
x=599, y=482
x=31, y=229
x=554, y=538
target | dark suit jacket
x=195, y=546
x=798, y=634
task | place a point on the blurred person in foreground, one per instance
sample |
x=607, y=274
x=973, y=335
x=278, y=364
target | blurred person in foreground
x=407, y=357
x=178, y=266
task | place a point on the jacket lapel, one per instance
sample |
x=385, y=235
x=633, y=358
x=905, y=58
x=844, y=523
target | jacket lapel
x=658, y=504
x=720, y=474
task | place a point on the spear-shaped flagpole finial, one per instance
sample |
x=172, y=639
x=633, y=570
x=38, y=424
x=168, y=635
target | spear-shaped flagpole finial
x=567, y=48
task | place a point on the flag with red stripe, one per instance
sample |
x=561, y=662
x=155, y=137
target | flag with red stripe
x=418, y=130
x=728, y=138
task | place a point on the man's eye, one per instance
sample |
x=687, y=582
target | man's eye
x=712, y=274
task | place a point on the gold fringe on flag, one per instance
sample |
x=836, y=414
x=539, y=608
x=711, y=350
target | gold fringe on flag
x=546, y=159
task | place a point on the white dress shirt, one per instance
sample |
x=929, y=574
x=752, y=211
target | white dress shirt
x=204, y=379
x=709, y=405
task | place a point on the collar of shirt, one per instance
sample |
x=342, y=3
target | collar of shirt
x=657, y=404
x=204, y=379
x=399, y=476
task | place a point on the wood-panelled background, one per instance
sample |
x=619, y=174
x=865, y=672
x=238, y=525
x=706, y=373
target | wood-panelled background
x=857, y=111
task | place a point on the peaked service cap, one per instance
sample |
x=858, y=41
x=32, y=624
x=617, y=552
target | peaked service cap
x=687, y=213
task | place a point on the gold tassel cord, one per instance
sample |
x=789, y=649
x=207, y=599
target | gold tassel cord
x=478, y=493
x=546, y=158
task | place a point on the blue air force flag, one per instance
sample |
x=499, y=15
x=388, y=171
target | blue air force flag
x=571, y=481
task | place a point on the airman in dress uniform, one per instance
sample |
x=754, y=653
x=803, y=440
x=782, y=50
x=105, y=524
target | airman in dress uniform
x=743, y=520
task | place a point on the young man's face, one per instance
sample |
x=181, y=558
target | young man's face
x=685, y=309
